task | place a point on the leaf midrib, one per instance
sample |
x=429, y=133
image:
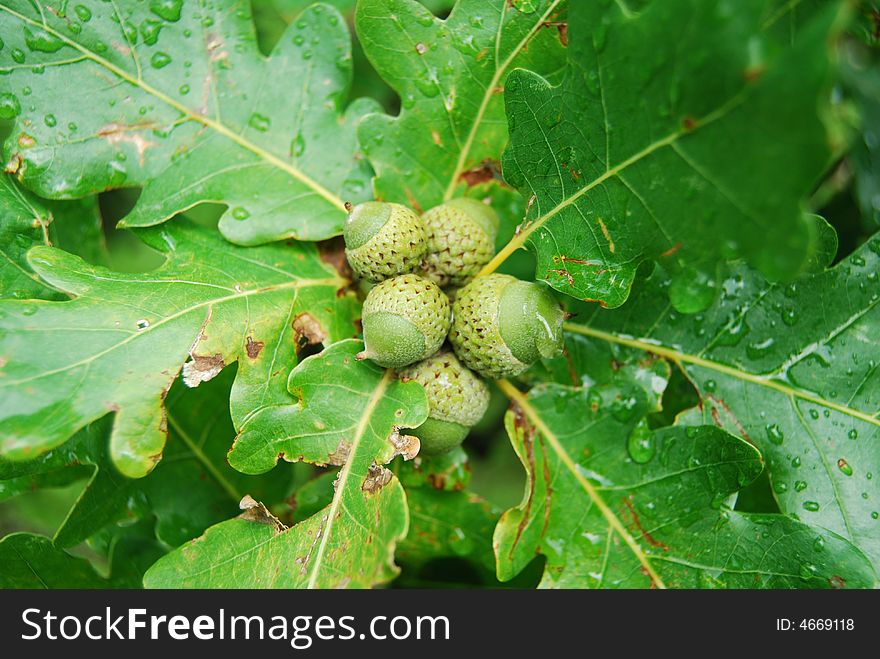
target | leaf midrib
x=490, y=92
x=345, y=472
x=217, y=126
x=614, y=522
x=679, y=356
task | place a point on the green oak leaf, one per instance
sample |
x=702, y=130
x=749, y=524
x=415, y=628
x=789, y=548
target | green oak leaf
x=449, y=75
x=862, y=79
x=793, y=368
x=335, y=399
x=31, y=561
x=348, y=414
x=26, y=221
x=671, y=159
x=177, y=98
x=449, y=525
x=119, y=345
x=650, y=512
x=191, y=489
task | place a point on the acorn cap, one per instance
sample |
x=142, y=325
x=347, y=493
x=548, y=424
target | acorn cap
x=457, y=399
x=503, y=325
x=405, y=319
x=383, y=240
x=461, y=240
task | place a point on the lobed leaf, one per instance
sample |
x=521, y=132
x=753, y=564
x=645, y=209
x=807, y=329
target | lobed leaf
x=348, y=414
x=791, y=368
x=607, y=511
x=449, y=75
x=119, y=345
x=177, y=98
x=688, y=150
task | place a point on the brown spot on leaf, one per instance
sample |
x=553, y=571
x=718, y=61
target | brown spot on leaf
x=14, y=164
x=254, y=511
x=486, y=171
x=406, y=445
x=26, y=141
x=202, y=368
x=339, y=456
x=377, y=478
x=120, y=133
x=253, y=348
x=307, y=335
x=688, y=124
x=837, y=582
x=635, y=519
x=435, y=137
x=607, y=235
x=753, y=73
x=672, y=250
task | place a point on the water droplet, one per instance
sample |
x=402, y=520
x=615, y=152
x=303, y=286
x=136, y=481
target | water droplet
x=796, y=462
x=42, y=41
x=844, y=467
x=779, y=487
x=853, y=433
x=84, y=13
x=790, y=317
x=143, y=324
x=167, y=9
x=812, y=506
x=150, y=31
x=421, y=48
x=184, y=90
x=819, y=544
x=17, y=55
x=759, y=349
x=775, y=434
x=640, y=443
x=240, y=213
x=814, y=414
x=299, y=40
x=710, y=386
x=50, y=120
x=875, y=515
x=692, y=290
x=9, y=106
x=130, y=32
x=808, y=571
x=28, y=311
x=800, y=486
x=160, y=60
x=259, y=122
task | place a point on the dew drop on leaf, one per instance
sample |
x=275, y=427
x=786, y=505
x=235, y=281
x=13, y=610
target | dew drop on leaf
x=844, y=467
x=640, y=443
x=259, y=122
x=160, y=60
x=42, y=41
x=775, y=434
x=240, y=213
x=150, y=31
x=83, y=12
x=9, y=106
x=812, y=506
x=167, y=9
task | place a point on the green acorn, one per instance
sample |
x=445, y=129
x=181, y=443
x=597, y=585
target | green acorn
x=461, y=240
x=457, y=399
x=405, y=319
x=503, y=325
x=383, y=240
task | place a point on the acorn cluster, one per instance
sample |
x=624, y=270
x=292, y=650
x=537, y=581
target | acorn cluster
x=497, y=325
